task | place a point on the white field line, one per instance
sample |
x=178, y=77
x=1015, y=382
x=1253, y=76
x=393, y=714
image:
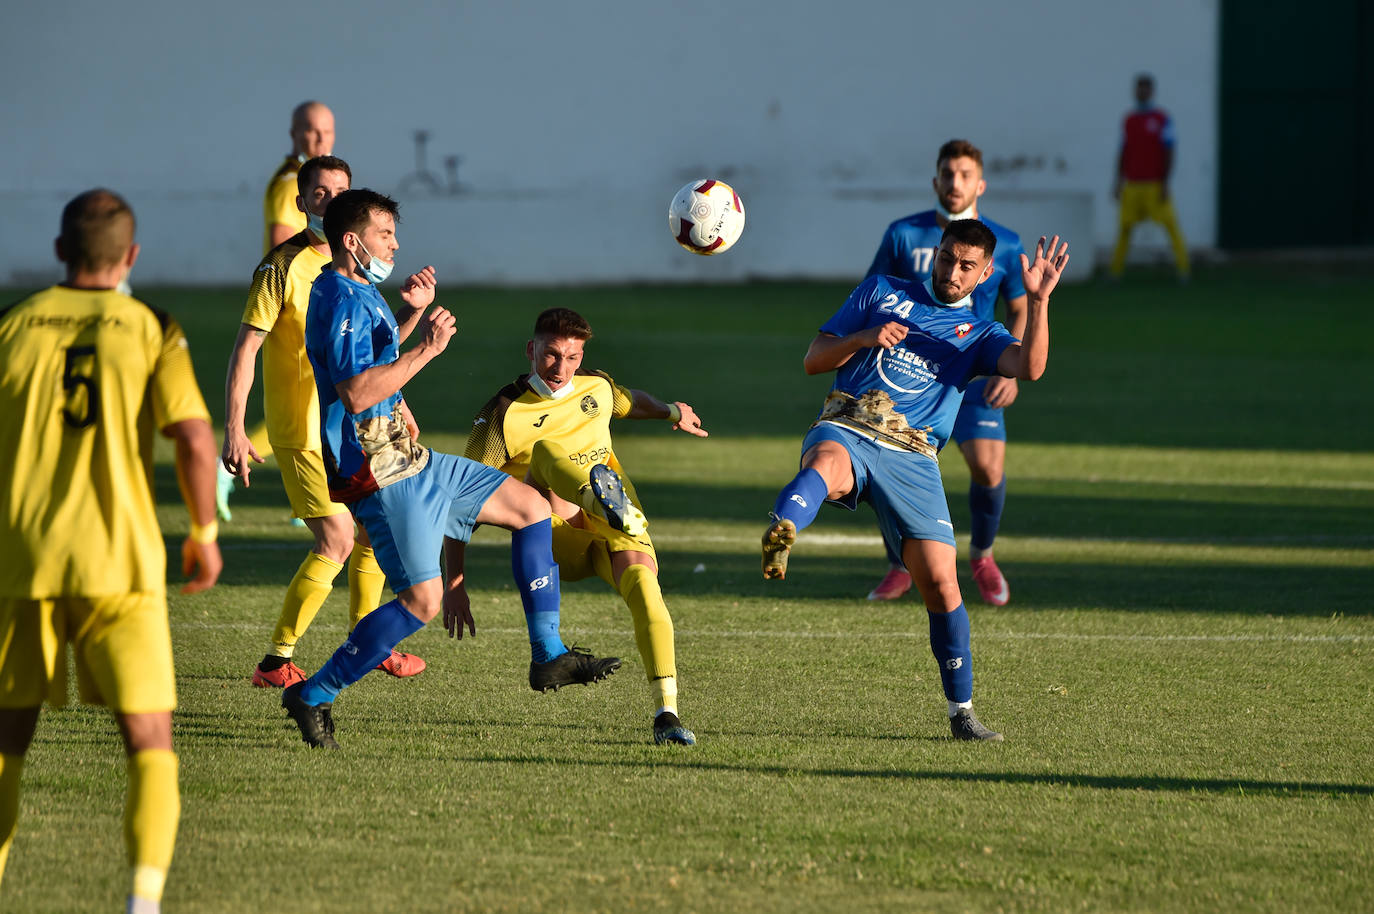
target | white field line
x=874, y=540
x=1126, y=638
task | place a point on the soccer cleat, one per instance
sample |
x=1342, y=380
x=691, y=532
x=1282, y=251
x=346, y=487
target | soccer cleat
x=896, y=582
x=402, y=665
x=670, y=731
x=224, y=487
x=286, y=675
x=992, y=587
x=777, y=543
x=614, y=503
x=315, y=721
x=577, y=665
x=965, y=726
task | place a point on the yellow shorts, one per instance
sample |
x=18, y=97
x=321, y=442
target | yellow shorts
x=122, y=645
x=306, y=485
x=575, y=548
x=1140, y=202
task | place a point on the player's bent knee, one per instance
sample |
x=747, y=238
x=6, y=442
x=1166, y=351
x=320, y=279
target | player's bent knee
x=513, y=506
x=423, y=600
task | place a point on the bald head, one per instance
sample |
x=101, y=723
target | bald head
x=312, y=130
x=97, y=232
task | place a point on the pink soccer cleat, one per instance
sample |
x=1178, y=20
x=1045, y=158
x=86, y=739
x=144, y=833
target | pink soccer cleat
x=896, y=582
x=992, y=587
x=402, y=665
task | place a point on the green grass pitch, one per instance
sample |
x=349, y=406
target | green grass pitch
x=1185, y=674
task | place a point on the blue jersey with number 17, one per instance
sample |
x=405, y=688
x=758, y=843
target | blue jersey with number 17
x=908, y=249
x=925, y=374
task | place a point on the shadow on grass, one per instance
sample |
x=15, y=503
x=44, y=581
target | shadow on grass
x=1236, y=786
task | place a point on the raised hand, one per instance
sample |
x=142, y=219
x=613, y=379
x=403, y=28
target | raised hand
x=1042, y=275
x=437, y=328
x=418, y=289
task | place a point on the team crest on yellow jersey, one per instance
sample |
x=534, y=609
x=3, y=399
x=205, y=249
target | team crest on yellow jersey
x=590, y=407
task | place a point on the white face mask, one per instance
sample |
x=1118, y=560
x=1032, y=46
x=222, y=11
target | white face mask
x=542, y=388
x=315, y=224
x=955, y=217
x=377, y=270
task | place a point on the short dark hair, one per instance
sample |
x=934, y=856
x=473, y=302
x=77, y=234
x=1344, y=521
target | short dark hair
x=970, y=232
x=560, y=324
x=351, y=211
x=312, y=167
x=955, y=149
x=97, y=230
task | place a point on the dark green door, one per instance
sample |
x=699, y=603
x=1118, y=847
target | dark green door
x=1297, y=124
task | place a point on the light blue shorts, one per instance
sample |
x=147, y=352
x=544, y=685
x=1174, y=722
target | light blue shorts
x=976, y=419
x=903, y=487
x=408, y=520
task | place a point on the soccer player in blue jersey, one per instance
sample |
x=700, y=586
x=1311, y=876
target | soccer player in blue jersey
x=407, y=497
x=907, y=252
x=904, y=352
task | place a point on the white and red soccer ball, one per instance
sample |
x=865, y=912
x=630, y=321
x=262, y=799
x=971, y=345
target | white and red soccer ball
x=706, y=217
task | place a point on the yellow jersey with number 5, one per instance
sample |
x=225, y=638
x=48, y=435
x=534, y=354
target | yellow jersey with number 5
x=86, y=377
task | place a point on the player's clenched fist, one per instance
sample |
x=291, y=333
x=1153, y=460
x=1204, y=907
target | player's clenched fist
x=437, y=328
x=886, y=335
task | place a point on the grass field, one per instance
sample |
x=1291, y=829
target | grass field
x=1185, y=674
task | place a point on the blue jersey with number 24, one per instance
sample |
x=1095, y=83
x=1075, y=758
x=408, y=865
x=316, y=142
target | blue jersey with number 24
x=925, y=374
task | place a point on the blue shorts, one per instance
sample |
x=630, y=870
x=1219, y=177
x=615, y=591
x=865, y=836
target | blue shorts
x=408, y=520
x=976, y=419
x=903, y=487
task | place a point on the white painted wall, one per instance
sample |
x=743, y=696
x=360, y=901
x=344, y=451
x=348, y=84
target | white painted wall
x=577, y=122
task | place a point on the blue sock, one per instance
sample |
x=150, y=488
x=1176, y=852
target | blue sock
x=801, y=499
x=985, y=507
x=369, y=644
x=536, y=577
x=949, y=642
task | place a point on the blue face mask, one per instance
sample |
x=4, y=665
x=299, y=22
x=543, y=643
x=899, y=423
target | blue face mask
x=315, y=224
x=376, y=270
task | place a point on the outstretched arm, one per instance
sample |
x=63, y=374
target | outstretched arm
x=1026, y=360
x=828, y=352
x=238, y=452
x=644, y=405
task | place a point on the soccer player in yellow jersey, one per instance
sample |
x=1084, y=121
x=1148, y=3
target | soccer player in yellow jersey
x=274, y=321
x=312, y=134
x=553, y=427
x=86, y=375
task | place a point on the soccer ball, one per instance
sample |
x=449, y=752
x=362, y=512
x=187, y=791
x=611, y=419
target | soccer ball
x=706, y=217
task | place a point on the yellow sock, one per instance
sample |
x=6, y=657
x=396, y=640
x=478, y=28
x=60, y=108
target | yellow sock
x=304, y=597
x=11, y=766
x=258, y=438
x=365, y=584
x=653, y=630
x=151, y=813
x=665, y=694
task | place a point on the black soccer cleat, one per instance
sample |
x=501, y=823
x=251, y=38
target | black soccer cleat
x=615, y=503
x=668, y=729
x=315, y=721
x=965, y=726
x=578, y=665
